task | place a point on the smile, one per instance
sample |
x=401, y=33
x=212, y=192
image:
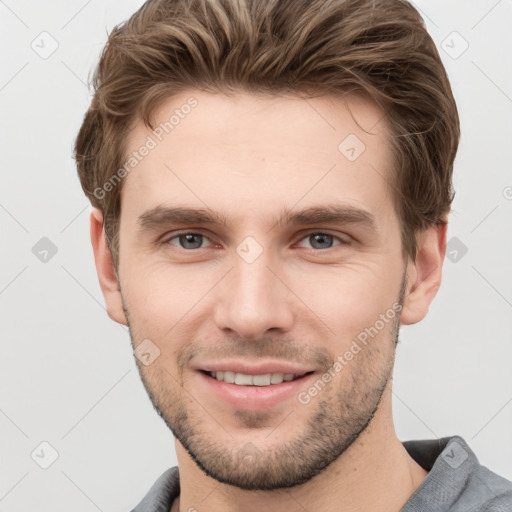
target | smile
x=243, y=379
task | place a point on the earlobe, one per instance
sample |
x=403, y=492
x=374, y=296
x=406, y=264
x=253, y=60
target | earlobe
x=424, y=274
x=106, y=270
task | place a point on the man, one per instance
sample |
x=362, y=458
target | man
x=271, y=183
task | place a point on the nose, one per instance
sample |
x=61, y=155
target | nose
x=254, y=298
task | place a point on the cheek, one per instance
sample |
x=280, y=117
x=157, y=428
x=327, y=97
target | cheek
x=162, y=299
x=172, y=302
x=350, y=297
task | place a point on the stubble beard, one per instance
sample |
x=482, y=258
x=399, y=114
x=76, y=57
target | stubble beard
x=337, y=420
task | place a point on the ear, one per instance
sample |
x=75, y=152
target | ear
x=105, y=268
x=424, y=274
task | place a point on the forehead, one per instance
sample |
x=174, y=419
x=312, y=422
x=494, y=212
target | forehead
x=246, y=153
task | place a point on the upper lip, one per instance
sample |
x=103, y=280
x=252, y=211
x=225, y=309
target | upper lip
x=261, y=368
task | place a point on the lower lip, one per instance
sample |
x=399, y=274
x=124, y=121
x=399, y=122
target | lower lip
x=255, y=398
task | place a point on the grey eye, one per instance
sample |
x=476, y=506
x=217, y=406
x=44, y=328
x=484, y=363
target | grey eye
x=189, y=240
x=321, y=240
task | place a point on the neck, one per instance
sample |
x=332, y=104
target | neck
x=375, y=473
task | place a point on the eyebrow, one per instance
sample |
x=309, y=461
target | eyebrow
x=325, y=214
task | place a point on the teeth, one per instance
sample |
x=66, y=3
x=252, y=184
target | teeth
x=262, y=380
x=227, y=377
x=242, y=379
x=276, y=378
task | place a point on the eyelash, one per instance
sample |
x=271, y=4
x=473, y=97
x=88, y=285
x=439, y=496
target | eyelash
x=342, y=242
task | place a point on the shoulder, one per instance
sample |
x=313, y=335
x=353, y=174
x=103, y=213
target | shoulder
x=498, y=504
x=480, y=489
x=456, y=480
x=494, y=491
x=162, y=493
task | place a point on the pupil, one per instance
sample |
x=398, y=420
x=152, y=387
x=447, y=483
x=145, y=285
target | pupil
x=189, y=239
x=321, y=238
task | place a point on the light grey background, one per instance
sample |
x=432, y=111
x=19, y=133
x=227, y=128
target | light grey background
x=67, y=372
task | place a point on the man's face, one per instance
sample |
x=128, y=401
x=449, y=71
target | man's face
x=263, y=290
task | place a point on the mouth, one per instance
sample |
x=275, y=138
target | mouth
x=261, y=380
x=254, y=389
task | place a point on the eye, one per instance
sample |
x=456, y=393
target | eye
x=190, y=241
x=187, y=241
x=322, y=241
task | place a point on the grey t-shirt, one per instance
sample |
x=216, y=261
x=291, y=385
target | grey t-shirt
x=456, y=482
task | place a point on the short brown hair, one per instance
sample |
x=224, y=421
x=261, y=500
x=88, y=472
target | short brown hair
x=378, y=47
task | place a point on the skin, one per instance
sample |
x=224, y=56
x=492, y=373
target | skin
x=303, y=300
